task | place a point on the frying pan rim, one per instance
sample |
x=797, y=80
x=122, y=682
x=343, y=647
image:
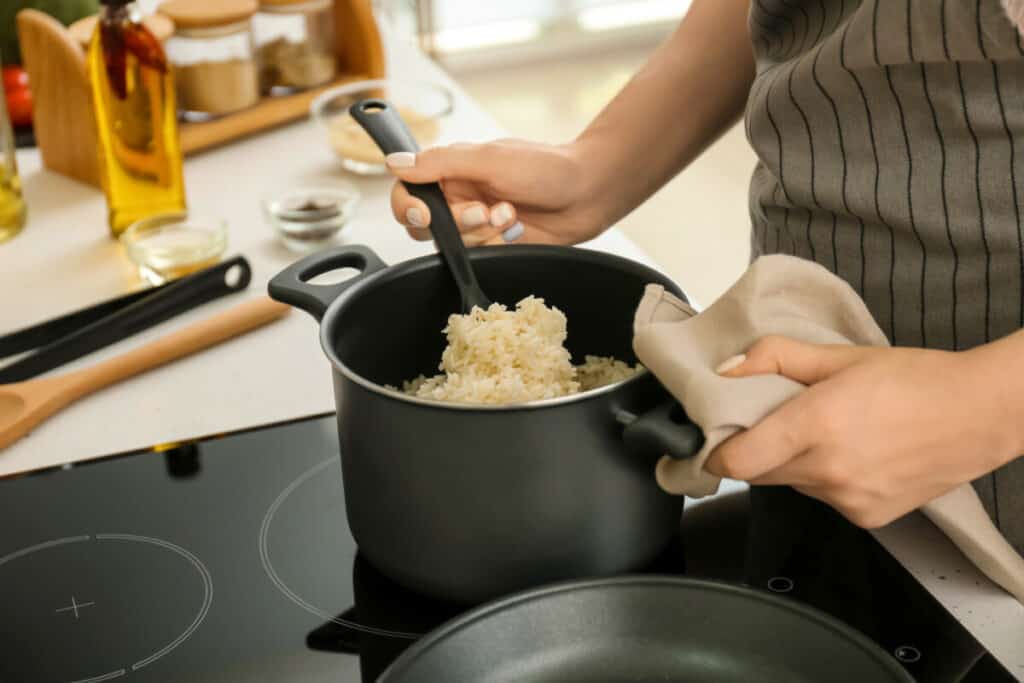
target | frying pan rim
x=333, y=312
x=461, y=622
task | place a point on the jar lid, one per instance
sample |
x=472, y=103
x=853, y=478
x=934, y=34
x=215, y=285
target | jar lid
x=158, y=24
x=294, y=5
x=189, y=14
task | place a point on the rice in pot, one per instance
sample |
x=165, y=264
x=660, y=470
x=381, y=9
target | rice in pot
x=498, y=356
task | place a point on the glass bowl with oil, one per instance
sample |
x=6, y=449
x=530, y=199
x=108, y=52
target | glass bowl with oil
x=168, y=246
x=422, y=105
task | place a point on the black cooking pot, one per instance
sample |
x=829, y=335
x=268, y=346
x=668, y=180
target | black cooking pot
x=466, y=503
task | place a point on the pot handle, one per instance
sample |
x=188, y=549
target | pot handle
x=291, y=286
x=661, y=430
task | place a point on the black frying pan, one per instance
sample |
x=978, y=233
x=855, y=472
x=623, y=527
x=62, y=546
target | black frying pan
x=641, y=629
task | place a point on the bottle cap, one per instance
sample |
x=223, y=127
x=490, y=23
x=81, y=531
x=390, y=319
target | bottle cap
x=158, y=24
x=189, y=14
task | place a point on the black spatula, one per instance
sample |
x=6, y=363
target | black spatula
x=381, y=120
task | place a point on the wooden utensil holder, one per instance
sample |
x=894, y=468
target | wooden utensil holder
x=63, y=120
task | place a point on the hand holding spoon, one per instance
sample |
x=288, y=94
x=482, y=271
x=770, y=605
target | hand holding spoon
x=382, y=122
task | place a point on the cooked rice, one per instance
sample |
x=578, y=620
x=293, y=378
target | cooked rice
x=499, y=356
x=599, y=371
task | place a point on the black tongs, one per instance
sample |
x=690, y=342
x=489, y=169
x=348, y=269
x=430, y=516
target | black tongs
x=64, y=339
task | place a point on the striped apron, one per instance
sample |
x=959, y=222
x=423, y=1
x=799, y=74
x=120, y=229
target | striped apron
x=889, y=138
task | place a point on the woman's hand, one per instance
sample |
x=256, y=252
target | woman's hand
x=879, y=431
x=693, y=88
x=502, y=191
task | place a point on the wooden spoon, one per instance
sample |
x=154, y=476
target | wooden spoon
x=25, y=404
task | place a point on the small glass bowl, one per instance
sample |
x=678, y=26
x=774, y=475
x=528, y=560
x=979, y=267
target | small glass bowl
x=172, y=245
x=422, y=105
x=307, y=219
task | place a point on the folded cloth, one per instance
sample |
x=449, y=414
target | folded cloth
x=793, y=297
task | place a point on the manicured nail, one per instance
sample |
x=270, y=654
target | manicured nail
x=415, y=218
x=731, y=363
x=501, y=214
x=474, y=216
x=513, y=233
x=400, y=160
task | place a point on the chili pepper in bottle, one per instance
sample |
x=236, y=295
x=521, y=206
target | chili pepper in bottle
x=136, y=116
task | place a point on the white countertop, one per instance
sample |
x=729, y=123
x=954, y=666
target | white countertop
x=994, y=618
x=65, y=260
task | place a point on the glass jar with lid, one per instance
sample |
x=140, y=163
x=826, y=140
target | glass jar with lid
x=296, y=44
x=215, y=66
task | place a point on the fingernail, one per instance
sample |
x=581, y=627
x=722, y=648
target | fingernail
x=731, y=363
x=415, y=218
x=400, y=160
x=513, y=233
x=501, y=214
x=474, y=216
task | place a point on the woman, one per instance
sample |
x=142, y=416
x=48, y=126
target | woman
x=889, y=138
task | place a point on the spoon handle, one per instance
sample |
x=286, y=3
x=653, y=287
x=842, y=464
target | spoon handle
x=382, y=122
x=196, y=337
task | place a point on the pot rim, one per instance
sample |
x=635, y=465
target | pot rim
x=431, y=260
x=501, y=605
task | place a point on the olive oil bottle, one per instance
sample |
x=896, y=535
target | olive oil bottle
x=136, y=118
x=12, y=205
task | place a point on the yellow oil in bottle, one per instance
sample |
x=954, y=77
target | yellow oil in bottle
x=12, y=206
x=134, y=104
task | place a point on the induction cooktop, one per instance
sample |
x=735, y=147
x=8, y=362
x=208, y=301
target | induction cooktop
x=229, y=559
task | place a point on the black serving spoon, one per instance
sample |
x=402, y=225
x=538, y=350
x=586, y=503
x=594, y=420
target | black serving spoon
x=381, y=120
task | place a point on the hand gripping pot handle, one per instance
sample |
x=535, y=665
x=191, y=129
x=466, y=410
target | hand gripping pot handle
x=291, y=286
x=664, y=430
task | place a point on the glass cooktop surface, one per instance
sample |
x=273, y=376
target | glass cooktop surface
x=230, y=559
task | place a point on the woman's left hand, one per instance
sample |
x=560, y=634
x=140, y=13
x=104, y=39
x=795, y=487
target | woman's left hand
x=879, y=431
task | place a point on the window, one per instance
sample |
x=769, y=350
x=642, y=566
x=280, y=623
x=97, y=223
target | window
x=457, y=27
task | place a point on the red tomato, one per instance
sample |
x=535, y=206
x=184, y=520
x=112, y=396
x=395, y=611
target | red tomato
x=15, y=79
x=19, y=106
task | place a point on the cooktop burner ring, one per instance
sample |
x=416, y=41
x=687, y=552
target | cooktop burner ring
x=194, y=561
x=272, y=574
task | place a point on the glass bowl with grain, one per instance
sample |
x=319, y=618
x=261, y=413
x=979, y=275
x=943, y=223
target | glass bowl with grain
x=423, y=106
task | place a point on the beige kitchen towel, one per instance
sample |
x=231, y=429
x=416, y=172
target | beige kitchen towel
x=793, y=297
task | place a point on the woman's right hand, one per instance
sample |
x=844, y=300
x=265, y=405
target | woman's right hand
x=501, y=192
